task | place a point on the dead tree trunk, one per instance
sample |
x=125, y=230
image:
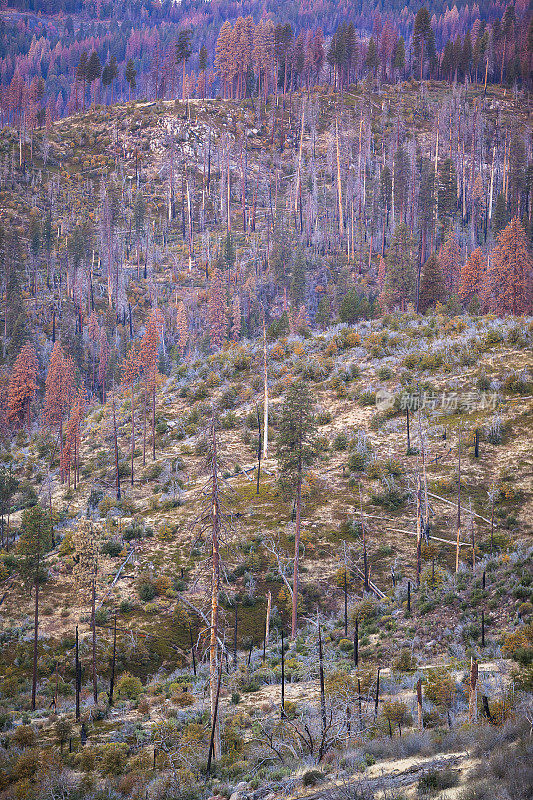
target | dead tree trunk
x=78, y=674
x=458, y=506
x=296, y=570
x=472, y=700
x=93, y=627
x=36, y=624
x=419, y=703
x=117, y=473
x=215, y=589
x=113, y=662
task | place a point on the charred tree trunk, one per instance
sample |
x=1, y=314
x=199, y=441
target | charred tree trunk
x=215, y=589
x=113, y=662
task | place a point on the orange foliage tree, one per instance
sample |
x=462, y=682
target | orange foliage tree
x=148, y=367
x=473, y=275
x=510, y=271
x=217, y=310
x=60, y=389
x=22, y=386
x=130, y=373
x=70, y=452
x=449, y=258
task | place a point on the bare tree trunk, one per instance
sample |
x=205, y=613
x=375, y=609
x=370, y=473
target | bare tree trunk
x=132, y=432
x=77, y=676
x=116, y=451
x=36, y=624
x=418, y=529
x=265, y=399
x=419, y=703
x=282, y=675
x=215, y=588
x=153, y=419
x=322, y=693
x=93, y=626
x=472, y=699
x=458, y=507
x=294, y=621
x=267, y=619
x=299, y=169
x=339, y=186
x=113, y=662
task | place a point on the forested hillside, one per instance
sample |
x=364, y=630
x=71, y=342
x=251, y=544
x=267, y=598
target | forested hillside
x=266, y=396
x=54, y=59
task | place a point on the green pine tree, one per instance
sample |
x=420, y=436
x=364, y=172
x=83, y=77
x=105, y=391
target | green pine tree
x=296, y=451
x=298, y=273
x=432, y=288
x=400, y=276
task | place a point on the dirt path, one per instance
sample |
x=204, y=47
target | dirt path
x=401, y=773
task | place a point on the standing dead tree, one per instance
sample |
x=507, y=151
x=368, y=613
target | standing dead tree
x=85, y=571
x=213, y=522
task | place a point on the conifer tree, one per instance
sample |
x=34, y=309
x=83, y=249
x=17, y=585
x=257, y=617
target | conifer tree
x=130, y=374
x=130, y=73
x=35, y=541
x=85, y=570
x=22, y=386
x=183, y=53
x=432, y=289
x=298, y=270
x=103, y=360
x=182, y=327
x=236, y=319
x=148, y=363
x=421, y=36
x=500, y=217
x=81, y=75
x=296, y=451
x=59, y=392
x=216, y=310
x=447, y=191
x=399, y=284
x=70, y=452
x=449, y=258
x=473, y=275
x=510, y=273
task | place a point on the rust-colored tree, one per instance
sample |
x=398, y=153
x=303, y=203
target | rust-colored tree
x=217, y=310
x=148, y=367
x=103, y=360
x=59, y=393
x=510, y=273
x=182, y=327
x=235, y=319
x=22, y=387
x=449, y=258
x=94, y=335
x=70, y=452
x=473, y=275
x=130, y=374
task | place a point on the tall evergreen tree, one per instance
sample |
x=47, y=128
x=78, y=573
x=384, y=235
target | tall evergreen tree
x=399, y=285
x=183, y=53
x=296, y=451
x=432, y=289
x=511, y=273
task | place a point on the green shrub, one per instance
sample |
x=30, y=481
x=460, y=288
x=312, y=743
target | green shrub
x=435, y=781
x=129, y=687
x=111, y=548
x=312, y=777
x=113, y=758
